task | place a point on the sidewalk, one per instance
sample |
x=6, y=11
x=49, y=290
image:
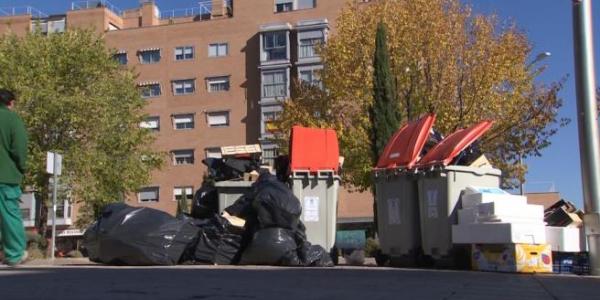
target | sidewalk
x=79, y=279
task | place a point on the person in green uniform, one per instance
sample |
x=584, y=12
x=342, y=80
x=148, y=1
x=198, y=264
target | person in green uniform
x=13, y=155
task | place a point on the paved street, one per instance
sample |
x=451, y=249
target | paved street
x=211, y=282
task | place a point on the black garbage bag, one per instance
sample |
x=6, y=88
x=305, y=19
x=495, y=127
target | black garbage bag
x=218, y=242
x=271, y=246
x=137, y=236
x=468, y=155
x=275, y=204
x=314, y=256
x=206, y=202
x=240, y=166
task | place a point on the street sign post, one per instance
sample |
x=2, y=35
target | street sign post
x=54, y=167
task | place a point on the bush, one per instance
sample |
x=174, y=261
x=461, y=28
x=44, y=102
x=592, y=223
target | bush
x=371, y=247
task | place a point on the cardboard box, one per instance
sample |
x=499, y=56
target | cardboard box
x=499, y=233
x=561, y=218
x=564, y=239
x=519, y=258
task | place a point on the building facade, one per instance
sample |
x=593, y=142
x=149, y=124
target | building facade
x=213, y=75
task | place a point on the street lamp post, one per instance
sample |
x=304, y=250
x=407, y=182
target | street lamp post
x=589, y=145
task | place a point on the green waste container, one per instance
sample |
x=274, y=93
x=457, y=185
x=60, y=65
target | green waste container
x=318, y=195
x=230, y=191
x=439, y=193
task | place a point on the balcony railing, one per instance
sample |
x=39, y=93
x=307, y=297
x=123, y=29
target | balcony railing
x=89, y=4
x=22, y=10
x=204, y=8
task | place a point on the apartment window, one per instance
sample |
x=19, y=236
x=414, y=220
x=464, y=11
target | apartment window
x=149, y=56
x=150, y=90
x=288, y=5
x=184, y=53
x=214, y=152
x=41, y=26
x=218, y=119
x=310, y=76
x=183, y=193
x=152, y=123
x=120, y=58
x=183, y=121
x=275, y=45
x=183, y=157
x=269, y=119
x=148, y=194
x=184, y=87
x=269, y=155
x=275, y=84
x=218, y=49
x=308, y=42
x=284, y=5
x=217, y=84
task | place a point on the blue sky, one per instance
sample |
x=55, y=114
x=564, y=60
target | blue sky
x=548, y=23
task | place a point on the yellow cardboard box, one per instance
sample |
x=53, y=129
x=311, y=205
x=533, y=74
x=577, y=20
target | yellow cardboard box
x=519, y=258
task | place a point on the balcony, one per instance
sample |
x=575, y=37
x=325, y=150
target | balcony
x=91, y=4
x=22, y=11
x=204, y=11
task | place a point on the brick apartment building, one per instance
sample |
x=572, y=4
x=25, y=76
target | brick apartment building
x=213, y=75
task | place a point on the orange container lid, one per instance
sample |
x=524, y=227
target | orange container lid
x=403, y=149
x=445, y=151
x=314, y=149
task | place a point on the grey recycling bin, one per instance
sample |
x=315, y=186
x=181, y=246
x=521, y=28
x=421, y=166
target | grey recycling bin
x=439, y=193
x=230, y=191
x=318, y=195
x=398, y=225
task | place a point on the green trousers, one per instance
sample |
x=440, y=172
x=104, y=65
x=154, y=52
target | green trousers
x=11, y=224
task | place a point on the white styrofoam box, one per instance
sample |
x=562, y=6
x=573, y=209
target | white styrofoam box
x=564, y=239
x=499, y=233
x=467, y=215
x=484, y=190
x=502, y=219
x=472, y=200
x=511, y=208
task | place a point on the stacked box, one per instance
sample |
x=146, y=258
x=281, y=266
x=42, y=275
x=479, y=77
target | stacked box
x=520, y=258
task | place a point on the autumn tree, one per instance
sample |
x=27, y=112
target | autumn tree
x=384, y=112
x=76, y=100
x=444, y=59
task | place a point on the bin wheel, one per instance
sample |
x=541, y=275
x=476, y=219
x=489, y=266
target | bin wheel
x=334, y=254
x=381, y=259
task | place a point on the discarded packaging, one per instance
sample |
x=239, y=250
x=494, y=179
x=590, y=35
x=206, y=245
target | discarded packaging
x=519, y=258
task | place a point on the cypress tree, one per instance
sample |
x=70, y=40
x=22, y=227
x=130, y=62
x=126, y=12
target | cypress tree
x=384, y=112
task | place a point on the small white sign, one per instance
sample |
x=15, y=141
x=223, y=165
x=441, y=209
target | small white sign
x=70, y=232
x=432, y=204
x=50, y=163
x=311, y=209
x=393, y=211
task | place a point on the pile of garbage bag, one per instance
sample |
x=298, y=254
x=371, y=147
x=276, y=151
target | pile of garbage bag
x=272, y=233
x=137, y=236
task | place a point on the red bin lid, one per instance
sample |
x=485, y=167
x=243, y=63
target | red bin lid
x=403, y=149
x=445, y=151
x=314, y=149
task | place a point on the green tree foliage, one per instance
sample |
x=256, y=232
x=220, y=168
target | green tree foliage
x=76, y=100
x=443, y=59
x=384, y=112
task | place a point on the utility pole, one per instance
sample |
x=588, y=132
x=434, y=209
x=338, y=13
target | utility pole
x=589, y=146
